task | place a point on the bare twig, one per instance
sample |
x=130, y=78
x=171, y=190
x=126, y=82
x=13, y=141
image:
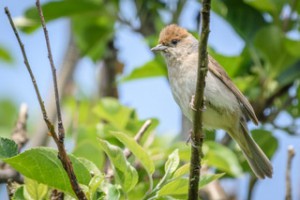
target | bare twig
x=291, y=154
x=65, y=160
x=65, y=74
x=61, y=130
x=198, y=134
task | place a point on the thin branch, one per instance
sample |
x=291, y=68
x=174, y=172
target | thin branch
x=62, y=154
x=36, y=88
x=291, y=154
x=198, y=134
x=61, y=130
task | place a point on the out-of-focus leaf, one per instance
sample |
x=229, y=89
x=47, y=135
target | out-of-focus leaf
x=89, y=165
x=184, y=169
x=290, y=74
x=8, y=114
x=113, y=192
x=207, y=178
x=176, y=187
x=263, y=5
x=93, y=186
x=57, y=9
x=222, y=158
x=5, y=55
x=153, y=68
x=34, y=190
x=87, y=146
x=8, y=148
x=235, y=12
x=110, y=110
x=92, y=34
x=292, y=46
x=41, y=164
x=125, y=173
x=266, y=141
x=19, y=194
x=231, y=64
x=172, y=162
x=136, y=150
x=270, y=43
x=180, y=186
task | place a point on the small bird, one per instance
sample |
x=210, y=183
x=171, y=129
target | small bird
x=225, y=106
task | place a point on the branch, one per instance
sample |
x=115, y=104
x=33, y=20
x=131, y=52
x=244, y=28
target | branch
x=291, y=154
x=198, y=134
x=61, y=130
x=65, y=160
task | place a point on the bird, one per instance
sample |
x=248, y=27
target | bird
x=226, y=107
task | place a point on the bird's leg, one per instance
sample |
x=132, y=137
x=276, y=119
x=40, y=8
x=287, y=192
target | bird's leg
x=192, y=104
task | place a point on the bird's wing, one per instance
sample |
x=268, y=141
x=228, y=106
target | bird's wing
x=221, y=74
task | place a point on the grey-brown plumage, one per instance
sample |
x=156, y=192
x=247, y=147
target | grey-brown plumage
x=226, y=107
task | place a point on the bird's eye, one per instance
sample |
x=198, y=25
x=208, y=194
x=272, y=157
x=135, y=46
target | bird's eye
x=174, y=42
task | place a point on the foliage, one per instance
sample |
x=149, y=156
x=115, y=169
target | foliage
x=43, y=170
x=267, y=70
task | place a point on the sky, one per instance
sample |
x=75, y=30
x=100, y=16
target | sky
x=144, y=95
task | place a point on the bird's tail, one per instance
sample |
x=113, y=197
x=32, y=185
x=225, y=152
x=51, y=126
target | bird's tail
x=258, y=161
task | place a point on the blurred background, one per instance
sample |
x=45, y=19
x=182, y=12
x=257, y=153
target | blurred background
x=102, y=49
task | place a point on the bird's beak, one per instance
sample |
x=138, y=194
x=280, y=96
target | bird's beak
x=159, y=47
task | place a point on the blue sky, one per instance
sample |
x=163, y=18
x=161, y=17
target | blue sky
x=144, y=95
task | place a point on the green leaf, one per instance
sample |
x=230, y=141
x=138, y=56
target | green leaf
x=113, y=192
x=207, y=178
x=137, y=150
x=172, y=162
x=180, y=186
x=184, y=169
x=177, y=187
x=292, y=47
x=235, y=12
x=93, y=186
x=153, y=68
x=57, y=9
x=87, y=146
x=289, y=75
x=93, y=169
x=8, y=148
x=34, y=190
x=222, y=158
x=125, y=173
x=263, y=5
x=110, y=110
x=42, y=164
x=5, y=55
x=269, y=42
x=19, y=194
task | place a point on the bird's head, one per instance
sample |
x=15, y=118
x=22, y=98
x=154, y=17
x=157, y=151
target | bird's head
x=175, y=42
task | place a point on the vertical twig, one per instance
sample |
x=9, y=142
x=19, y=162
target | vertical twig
x=61, y=131
x=62, y=154
x=198, y=134
x=291, y=154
